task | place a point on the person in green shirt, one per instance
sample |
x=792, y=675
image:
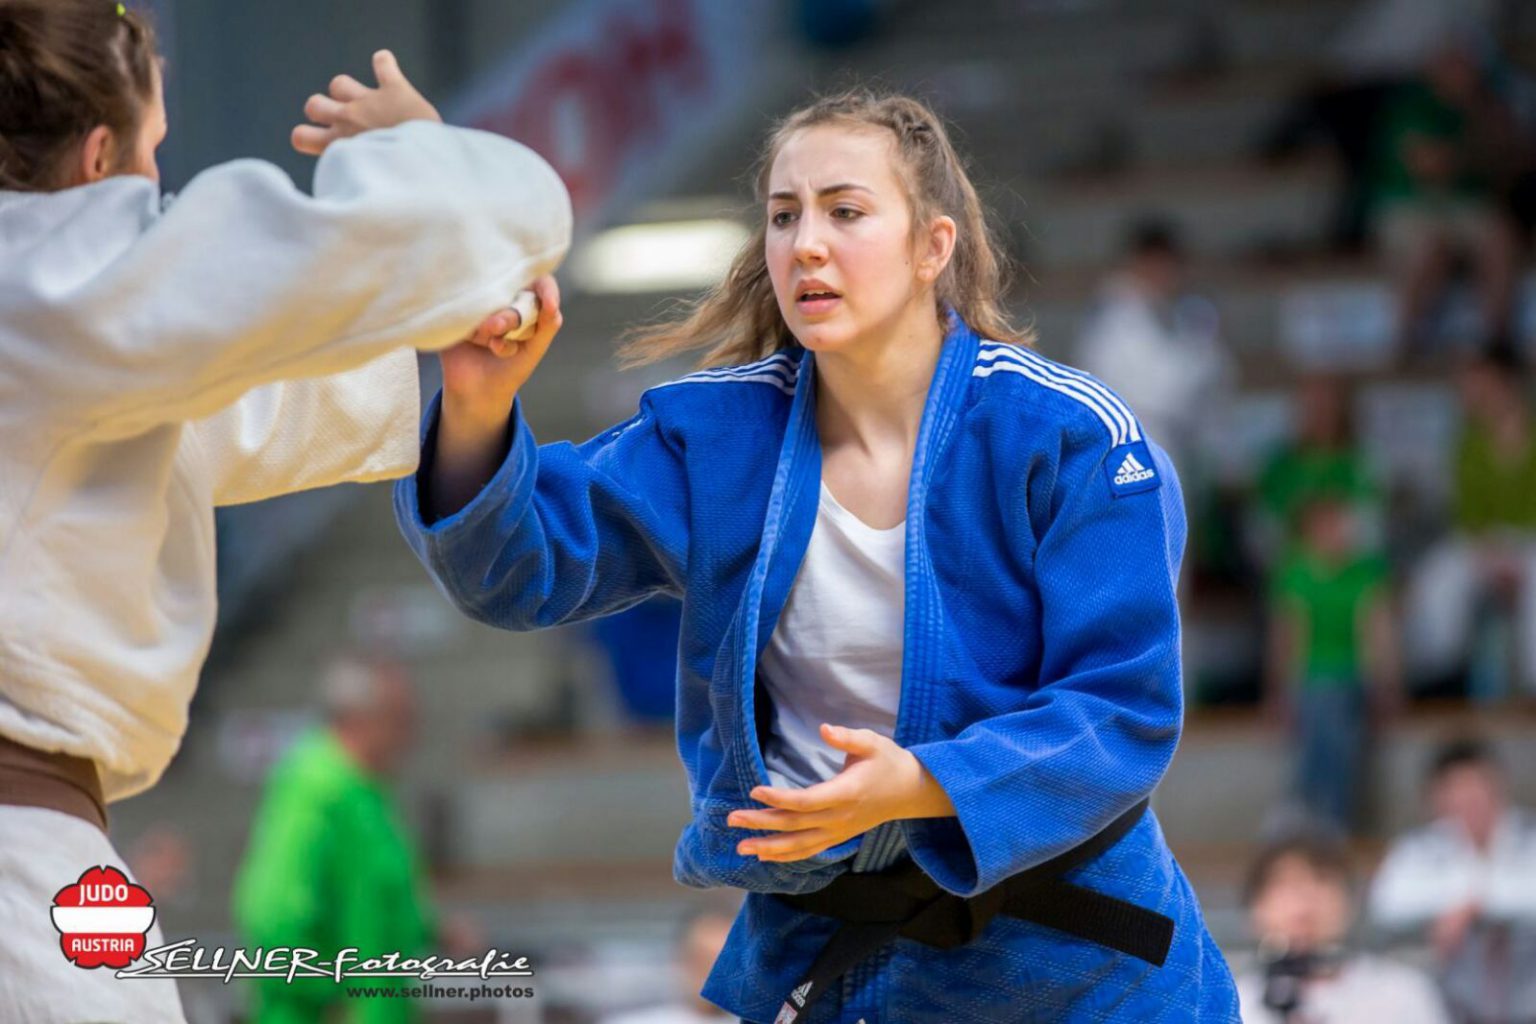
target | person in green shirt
x=1332, y=662
x=1323, y=461
x=329, y=864
x=1434, y=191
x=1473, y=597
x=1495, y=459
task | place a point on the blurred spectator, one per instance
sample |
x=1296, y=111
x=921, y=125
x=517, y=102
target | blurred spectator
x=700, y=940
x=1300, y=900
x=1379, y=48
x=1478, y=585
x=1323, y=461
x=1437, y=188
x=329, y=864
x=1159, y=347
x=164, y=861
x=1467, y=881
x=1332, y=658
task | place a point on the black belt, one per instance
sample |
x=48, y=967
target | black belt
x=877, y=907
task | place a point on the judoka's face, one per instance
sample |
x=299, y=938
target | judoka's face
x=847, y=268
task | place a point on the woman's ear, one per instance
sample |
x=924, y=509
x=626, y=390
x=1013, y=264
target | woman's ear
x=97, y=157
x=939, y=247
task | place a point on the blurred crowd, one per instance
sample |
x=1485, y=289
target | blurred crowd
x=1456, y=897
x=1369, y=586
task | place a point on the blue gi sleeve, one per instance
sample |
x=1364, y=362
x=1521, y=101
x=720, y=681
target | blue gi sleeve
x=561, y=532
x=1098, y=731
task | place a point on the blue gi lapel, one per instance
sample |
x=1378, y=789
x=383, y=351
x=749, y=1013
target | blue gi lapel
x=787, y=527
x=923, y=629
x=924, y=611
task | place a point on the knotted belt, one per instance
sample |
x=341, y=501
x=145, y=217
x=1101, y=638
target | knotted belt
x=877, y=907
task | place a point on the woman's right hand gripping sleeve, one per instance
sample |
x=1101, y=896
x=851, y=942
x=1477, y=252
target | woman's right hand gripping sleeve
x=562, y=532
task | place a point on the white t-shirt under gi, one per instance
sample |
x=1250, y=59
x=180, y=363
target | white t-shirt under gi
x=835, y=655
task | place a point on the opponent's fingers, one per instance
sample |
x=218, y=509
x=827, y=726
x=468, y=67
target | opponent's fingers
x=386, y=69
x=323, y=110
x=345, y=88
x=312, y=139
x=779, y=821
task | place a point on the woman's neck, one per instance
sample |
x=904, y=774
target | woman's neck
x=871, y=395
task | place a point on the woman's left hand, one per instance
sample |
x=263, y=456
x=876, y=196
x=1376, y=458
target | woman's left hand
x=880, y=782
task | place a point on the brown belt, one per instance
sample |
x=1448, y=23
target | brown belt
x=59, y=782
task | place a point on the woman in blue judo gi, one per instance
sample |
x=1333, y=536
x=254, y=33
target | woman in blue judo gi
x=929, y=657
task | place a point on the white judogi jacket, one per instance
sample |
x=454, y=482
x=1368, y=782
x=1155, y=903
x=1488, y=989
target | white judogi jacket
x=248, y=341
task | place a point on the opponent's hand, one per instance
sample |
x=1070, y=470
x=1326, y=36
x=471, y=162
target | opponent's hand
x=880, y=782
x=482, y=374
x=352, y=107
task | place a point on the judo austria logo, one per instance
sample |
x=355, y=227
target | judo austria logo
x=103, y=919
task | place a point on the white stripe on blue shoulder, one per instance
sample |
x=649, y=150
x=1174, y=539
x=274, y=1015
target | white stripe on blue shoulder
x=779, y=370
x=1087, y=390
x=779, y=362
x=1104, y=403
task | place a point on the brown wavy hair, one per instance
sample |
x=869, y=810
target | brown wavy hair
x=67, y=66
x=738, y=320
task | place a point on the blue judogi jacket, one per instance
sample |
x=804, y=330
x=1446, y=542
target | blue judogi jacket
x=1041, y=676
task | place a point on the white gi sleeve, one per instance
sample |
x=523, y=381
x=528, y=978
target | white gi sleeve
x=413, y=235
x=353, y=427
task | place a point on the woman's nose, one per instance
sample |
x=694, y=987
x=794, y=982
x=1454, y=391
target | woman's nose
x=810, y=247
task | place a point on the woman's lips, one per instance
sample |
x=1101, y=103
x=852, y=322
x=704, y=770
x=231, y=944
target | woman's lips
x=815, y=305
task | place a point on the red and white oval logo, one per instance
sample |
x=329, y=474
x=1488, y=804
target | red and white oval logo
x=103, y=919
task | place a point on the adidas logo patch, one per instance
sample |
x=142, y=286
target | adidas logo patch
x=1131, y=471
x=799, y=994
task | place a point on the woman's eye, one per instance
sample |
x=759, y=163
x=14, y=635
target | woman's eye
x=847, y=212
x=781, y=218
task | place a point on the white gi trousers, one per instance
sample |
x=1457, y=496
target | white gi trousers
x=42, y=851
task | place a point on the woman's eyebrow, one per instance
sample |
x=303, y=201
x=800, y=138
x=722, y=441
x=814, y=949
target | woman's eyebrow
x=846, y=186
